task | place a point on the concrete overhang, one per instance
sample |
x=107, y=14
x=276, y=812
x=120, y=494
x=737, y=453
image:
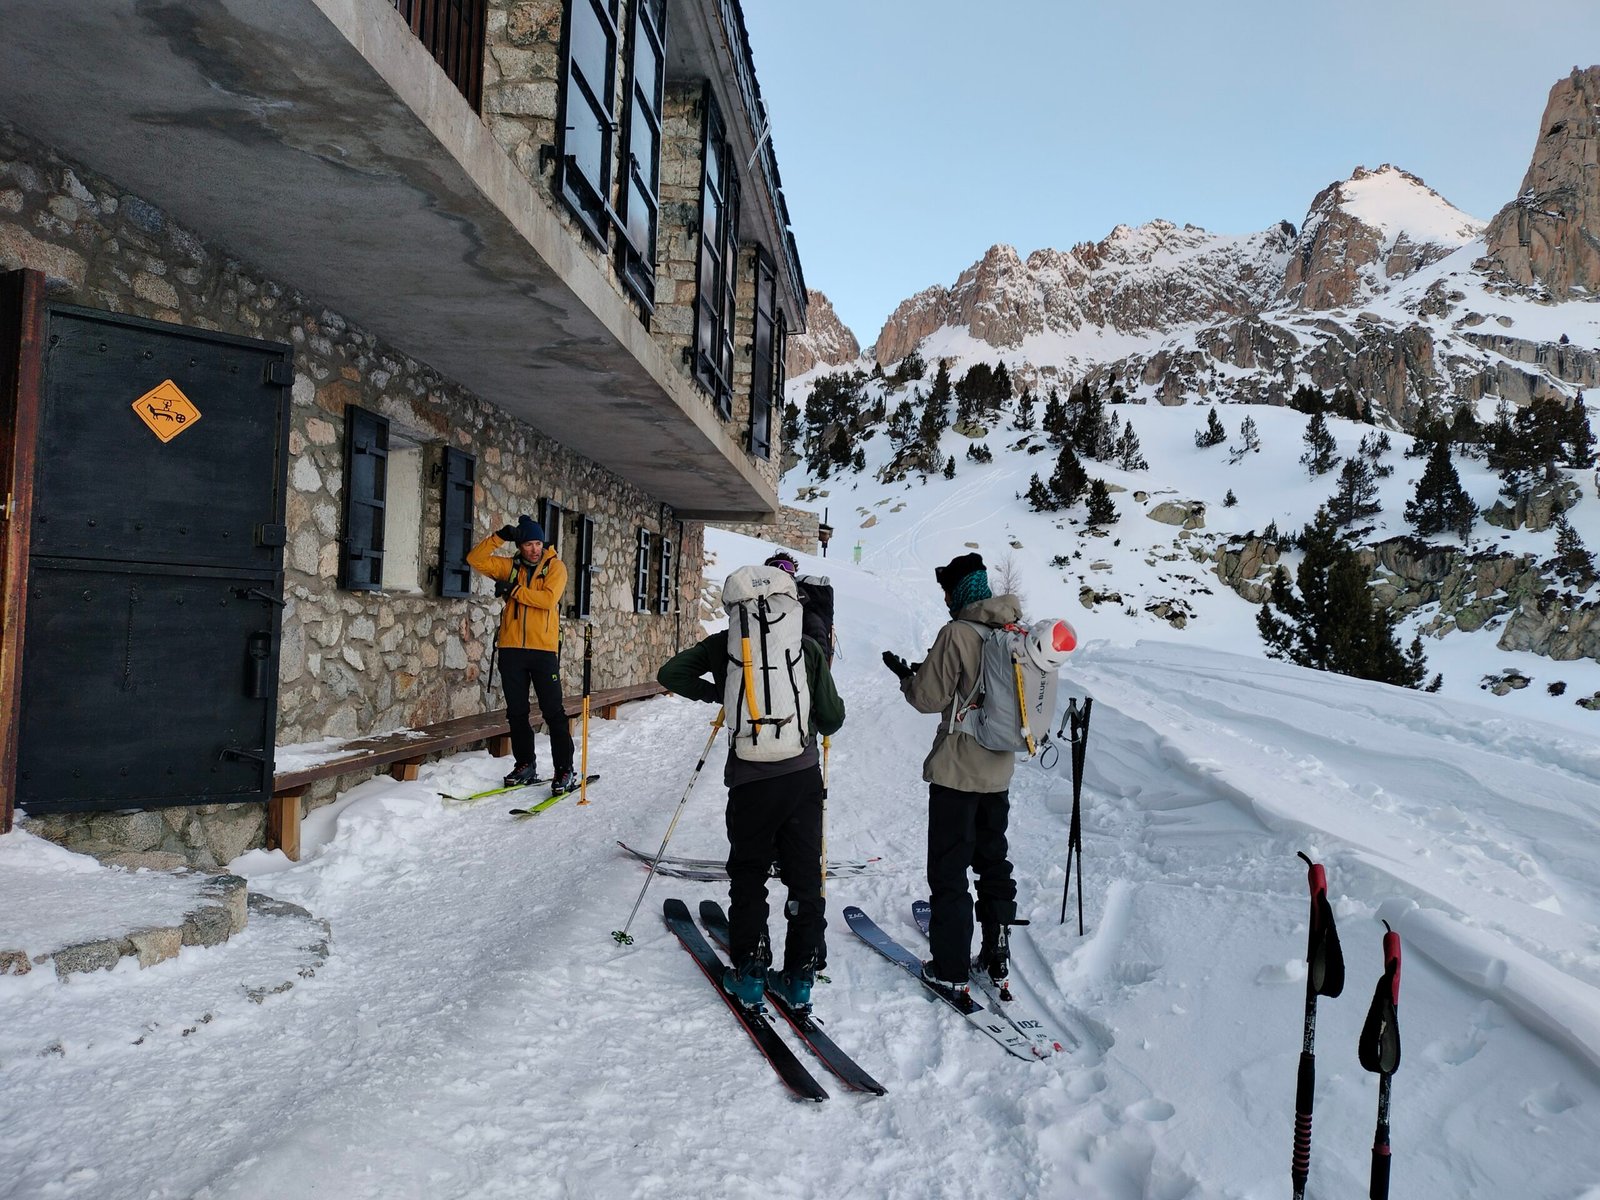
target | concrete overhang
x=317, y=140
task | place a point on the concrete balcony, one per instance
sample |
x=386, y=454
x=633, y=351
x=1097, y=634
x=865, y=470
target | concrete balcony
x=318, y=140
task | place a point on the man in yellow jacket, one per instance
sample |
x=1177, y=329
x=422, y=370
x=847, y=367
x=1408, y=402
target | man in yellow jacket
x=531, y=581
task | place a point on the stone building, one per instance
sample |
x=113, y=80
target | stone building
x=301, y=298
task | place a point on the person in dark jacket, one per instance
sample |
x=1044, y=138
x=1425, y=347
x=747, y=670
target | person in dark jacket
x=531, y=582
x=816, y=597
x=774, y=815
x=968, y=786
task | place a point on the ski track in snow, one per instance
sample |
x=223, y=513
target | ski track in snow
x=477, y=1033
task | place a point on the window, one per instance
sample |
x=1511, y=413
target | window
x=641, y=573
x=716, y=283
x=640, y=196
x=763, y=346
x=550, y=516
x=402, y=514
x=665, y=593
x=587, y=101
x=582, y=567
x=366, y=479
x=456, y=511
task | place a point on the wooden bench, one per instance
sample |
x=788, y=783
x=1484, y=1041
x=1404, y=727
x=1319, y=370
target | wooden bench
x=404, y=751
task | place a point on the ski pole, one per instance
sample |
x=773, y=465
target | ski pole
x=1379, y=1050
x=588, y=659
x=1324, y=977
x=622, y=937
x=826, y=745
x=1079, y=719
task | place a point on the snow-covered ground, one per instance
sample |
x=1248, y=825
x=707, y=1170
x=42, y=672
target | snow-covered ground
x=477, y=1033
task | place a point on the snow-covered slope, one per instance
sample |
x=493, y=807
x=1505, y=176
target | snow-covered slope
x=477, y=1034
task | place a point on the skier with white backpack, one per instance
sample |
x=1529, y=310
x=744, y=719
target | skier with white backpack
x=778, y=696
x=993, y=681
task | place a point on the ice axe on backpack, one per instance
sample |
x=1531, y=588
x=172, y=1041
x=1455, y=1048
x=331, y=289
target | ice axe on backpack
x=621, y=936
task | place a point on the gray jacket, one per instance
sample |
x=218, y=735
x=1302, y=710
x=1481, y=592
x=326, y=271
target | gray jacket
x=950, y=672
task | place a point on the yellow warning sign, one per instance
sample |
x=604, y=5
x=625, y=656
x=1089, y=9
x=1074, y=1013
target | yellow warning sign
x=166, y=410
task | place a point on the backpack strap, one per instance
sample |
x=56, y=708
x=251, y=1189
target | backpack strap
x=959, y=705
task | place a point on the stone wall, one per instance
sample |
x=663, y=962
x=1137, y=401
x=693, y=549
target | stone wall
x=352, y=662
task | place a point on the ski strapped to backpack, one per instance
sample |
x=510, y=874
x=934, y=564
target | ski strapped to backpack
x=1015, y=692
x=766, y=693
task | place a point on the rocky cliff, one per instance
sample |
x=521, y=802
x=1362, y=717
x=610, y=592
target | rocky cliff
x=1549, y=236
x=827, y=341
x=1386, y=289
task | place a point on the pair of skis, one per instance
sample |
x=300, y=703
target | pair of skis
x=1019, y=1031
x=713, y=870
x=790, y=1069
x=451, y=799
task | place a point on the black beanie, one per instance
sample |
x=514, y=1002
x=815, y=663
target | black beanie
x=957, y=569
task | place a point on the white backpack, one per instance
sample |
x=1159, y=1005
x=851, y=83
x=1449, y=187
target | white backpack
x=766, y=695
x=1014, y=700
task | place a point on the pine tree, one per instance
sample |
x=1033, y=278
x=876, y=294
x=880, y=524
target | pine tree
x=1309, y=400
x=1572, y=562
x=1346, y=405
x=1130, y=457
x=858, y=460
x=1441, y=502
x=935, y=412
x=1331, y=624
x=1579, y=437
x=1357, y=496
x=1055, y=418
x=1249, y=434
x=1024, y=419
x=1213, y=434
x=1230, y=499
x=1069, y=480
x=902, y=426
x=1040, y=498
x=1319, y=457
x=1373, y=447
x=950, y=467
x=1101, y=510
x=839, y=449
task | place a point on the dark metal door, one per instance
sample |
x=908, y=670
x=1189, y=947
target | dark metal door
x=156, y=567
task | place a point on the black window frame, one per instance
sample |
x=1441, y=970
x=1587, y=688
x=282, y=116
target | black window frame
x=366, y=485
x=665, y=593
x=763, y=344
x=639, y=189
x=641, y=571
x=717, y=263
x=588, y=199
x=581, y=570
x=457, y=513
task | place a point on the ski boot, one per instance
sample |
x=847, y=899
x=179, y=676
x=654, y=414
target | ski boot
x=565, y=782
x=522, y=775
x=994, y=958
x=938, y=983
x=794, y=986
x=747, y=980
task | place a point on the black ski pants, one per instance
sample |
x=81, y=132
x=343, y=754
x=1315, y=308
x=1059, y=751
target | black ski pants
x=777, y=820
x=966, y=829
x=540, y=671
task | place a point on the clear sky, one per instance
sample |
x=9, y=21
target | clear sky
x=914, y=134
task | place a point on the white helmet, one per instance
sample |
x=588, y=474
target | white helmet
x=1049, y=642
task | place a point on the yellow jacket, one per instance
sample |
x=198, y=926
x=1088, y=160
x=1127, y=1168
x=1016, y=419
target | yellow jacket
x=531, y=619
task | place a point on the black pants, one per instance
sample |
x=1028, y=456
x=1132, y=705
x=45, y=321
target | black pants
x=777, y=820
x=966, y=829
x=540, y=670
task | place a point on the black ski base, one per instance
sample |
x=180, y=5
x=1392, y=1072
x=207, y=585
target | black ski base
x=789, y=1068
x=802, y=1021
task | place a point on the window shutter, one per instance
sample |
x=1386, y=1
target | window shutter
x=762, y=349
x=587, y=127
x=550, y=514
x=366, y=479
x=664, y=590
x=641, y=573
x=583, y=568
x=456, y=511
x=640, y=197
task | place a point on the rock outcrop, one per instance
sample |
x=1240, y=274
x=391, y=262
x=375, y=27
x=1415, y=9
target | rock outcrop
x=1549, y=236
x=827, y=341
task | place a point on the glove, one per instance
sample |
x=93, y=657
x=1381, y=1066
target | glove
x=897, y=664
x=506, y=533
